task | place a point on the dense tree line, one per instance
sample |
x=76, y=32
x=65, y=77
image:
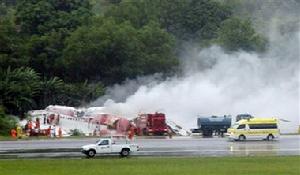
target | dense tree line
x=67, y=52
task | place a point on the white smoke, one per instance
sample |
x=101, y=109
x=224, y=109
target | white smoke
x=264, y=86
x=236, y=85
x=119, y=92
x=217, y=83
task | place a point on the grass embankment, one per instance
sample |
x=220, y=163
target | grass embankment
x=152, y=165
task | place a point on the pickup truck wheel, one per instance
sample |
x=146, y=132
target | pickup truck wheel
x=91, y=153
x=125, y=152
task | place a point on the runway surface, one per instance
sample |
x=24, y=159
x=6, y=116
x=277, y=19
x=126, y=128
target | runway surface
x=177, y=146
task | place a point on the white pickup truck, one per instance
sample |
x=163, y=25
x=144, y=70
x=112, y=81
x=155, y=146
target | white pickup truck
x=109, y=146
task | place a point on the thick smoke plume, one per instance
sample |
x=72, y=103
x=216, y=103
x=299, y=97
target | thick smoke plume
x=217, y=83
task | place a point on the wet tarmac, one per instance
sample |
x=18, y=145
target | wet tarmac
x=160, y=146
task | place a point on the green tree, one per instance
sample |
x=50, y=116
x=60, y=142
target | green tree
x=44, y=53
x=18, y=88
x=51, y=92
x=158, y=55
x=112, y=52
x=82, y=93
x=138, y=13
x=56, y=91
x=171, y=15
x=237, y=34
x=47, y=23
x=192, y=20
x=10, y=43
x=43, y=16
x=22, y=90
x=202, y=19
x=7, y=122
x=106, y=52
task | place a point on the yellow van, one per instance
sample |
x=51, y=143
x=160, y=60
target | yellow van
x=254, y=128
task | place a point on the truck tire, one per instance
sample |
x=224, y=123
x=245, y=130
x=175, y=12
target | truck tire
x=125, y=152
x=242, y=138
x=207, y=133
x=270, y=137
x=91, y=153
x=145, y=133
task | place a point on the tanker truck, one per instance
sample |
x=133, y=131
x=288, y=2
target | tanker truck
x=208, y=126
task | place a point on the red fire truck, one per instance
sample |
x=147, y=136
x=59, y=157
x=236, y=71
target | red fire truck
x=151, y=124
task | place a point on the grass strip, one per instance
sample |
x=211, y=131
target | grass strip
x=287, y=165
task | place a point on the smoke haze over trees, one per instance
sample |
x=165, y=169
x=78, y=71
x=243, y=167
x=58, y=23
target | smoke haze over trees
x=72, y=52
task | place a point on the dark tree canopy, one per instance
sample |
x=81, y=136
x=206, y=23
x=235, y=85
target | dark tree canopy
x=236, y=34
x=40, y=16
x=113, y=52
x=66, y=52
x=186, y=19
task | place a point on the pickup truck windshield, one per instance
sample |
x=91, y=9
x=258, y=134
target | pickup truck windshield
x=104, y=142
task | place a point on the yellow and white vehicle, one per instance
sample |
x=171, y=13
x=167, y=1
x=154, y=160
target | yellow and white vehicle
x=254, y=128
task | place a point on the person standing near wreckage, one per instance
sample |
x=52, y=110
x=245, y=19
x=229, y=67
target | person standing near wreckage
x=53, y=131
x=45, y=119
x=169, y=132
x=48, y=132
x=13, y=133
x=59, y=132
x=19, y=131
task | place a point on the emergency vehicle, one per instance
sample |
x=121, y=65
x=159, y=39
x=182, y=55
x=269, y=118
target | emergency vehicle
x=151, y=124
x=254, y=128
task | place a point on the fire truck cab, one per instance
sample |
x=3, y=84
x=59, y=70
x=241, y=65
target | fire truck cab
x=151, y=124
